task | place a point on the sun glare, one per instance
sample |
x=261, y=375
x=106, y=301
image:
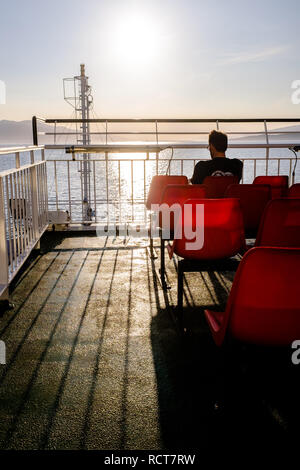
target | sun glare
x=135, y=39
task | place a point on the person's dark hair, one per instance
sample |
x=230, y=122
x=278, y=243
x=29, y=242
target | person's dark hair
x=218, y=140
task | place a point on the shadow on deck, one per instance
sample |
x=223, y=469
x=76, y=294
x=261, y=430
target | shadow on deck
x=94, y=360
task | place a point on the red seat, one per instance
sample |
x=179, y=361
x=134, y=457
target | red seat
x=223, y=230
x=279, y=184
x=173, y=195
x=294, y=190
x=215, y=186
x=263, y=306
x=158, y=184
x=280, y=224
x=222, y=237
x=178, y=194
x=253, y=199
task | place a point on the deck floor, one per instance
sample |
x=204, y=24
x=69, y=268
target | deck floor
x=94, y=360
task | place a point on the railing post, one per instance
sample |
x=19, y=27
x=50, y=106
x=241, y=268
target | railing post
x=3, y=242
x=34, y=198
x=267, y=139
x=17, y=155
x=34, y=131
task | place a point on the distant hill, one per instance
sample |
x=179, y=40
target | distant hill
x=280, y=135
x=20, y=132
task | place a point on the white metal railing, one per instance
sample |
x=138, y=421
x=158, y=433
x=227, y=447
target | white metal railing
x=23, y=215
x=113, y=197
x=118, y=187
x=16, y=152
x=118, y=184
x=163, y=132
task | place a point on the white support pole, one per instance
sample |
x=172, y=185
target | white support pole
x=3, y=243
x=34, y=198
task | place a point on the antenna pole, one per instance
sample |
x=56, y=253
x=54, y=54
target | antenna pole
x=84, y=105
x=81, y=100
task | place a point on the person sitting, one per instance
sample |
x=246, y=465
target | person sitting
x=219, y=165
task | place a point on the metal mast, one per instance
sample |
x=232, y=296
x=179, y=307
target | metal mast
x=81, y=100
x=85, y=104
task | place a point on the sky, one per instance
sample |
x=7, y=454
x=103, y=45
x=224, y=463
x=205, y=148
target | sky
x=151, y=58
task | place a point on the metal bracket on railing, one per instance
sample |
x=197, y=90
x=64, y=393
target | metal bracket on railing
x=72, y=151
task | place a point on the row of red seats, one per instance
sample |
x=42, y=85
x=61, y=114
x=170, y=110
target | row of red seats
x=215, y=187
x=264, y=305
x=224, y=237
x=253, y=197
x=172, y=189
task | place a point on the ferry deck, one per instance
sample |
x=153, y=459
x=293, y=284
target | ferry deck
x=94, y=356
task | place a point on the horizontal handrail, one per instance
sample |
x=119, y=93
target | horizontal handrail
x=134, y=147
x=153, y=148
x=172, y=133
x=23, y=167
x=190, y=159
x=28, y=148
x=159, y=132
x=166, y=120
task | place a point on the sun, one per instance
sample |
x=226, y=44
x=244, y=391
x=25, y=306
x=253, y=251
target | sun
x=136, y=39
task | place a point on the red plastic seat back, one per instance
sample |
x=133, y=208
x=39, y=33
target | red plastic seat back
x=223, y=229
x=216, y=186
x=158, y=184
x=177, y=194
x=279, y=184
x=263, y=305
x=280, y=224
x=253, y=199
x=294, y=190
